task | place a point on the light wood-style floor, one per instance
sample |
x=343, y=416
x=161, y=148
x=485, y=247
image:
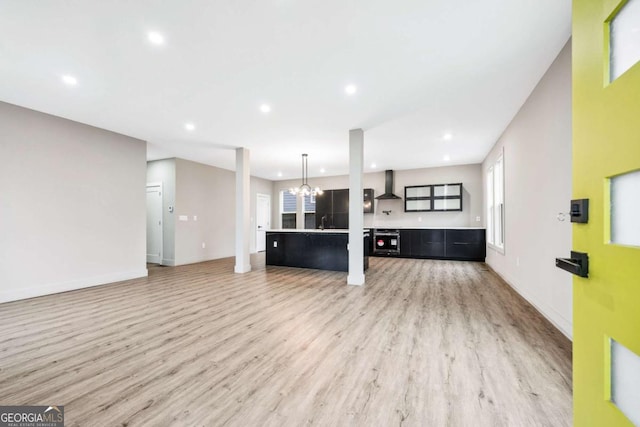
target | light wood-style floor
x=423, y=343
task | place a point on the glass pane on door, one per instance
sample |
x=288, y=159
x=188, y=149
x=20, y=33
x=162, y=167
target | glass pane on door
x=625, y=381
x=625, y=206
x=624, y=39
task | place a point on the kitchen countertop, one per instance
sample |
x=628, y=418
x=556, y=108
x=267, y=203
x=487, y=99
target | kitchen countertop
x=311, y=230
x=395, y=227
x=341, y=230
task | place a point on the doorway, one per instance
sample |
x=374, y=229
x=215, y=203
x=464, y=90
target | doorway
x=154, y=223
x=263, y=220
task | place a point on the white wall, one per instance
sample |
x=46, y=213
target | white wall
x=469, y=175
x=537, y=159
x=207, y=193
x=73, y=207
x=164, y=171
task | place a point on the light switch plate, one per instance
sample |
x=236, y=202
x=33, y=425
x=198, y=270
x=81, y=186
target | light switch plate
x=183, y=218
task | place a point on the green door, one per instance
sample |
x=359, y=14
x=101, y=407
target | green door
x=606, y=146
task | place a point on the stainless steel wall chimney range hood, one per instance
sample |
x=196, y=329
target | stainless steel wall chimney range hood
x=388, y=187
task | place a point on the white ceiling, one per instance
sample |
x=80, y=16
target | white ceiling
x=422, y=67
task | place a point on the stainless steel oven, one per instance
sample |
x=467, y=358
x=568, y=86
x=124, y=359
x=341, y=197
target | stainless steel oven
x=386, y=241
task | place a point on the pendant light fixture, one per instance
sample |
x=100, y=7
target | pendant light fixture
x=305, y=189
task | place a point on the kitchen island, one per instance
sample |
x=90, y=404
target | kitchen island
x=320, y=249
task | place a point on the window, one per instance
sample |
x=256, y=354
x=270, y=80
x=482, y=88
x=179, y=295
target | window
x=288, y=209
x=495, y=204
x=310, y=211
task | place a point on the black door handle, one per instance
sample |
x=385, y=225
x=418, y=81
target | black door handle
x=578, y=264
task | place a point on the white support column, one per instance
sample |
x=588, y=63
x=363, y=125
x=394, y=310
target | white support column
x=243, y=200
x=356, y=215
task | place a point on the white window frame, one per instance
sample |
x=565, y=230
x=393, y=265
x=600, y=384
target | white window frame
x=496, y=205
x=489, y=199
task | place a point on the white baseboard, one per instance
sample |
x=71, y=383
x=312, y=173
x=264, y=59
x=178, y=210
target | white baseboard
x=169, y=262
x=54, y=288
x=556, y=319
x=205, y=258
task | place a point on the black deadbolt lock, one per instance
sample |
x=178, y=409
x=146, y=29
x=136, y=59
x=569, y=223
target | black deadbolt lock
x=579, y=210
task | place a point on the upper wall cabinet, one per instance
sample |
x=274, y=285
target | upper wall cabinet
x=433, y=198
x=332, y=207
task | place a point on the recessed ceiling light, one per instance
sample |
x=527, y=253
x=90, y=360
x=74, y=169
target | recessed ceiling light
x=447, y=136
x=323, y=170
x=190, y=127
x=70, y=80
x=155, y=38
x=373, y=165
x=265, y=108
x=279, y=173
x=446, y=158
x=350, y=89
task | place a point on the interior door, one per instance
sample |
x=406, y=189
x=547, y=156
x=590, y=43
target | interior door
x=154, y=223
x=606, y=161
x=263, y=220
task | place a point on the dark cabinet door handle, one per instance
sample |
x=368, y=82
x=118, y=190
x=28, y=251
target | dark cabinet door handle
x=461, y=243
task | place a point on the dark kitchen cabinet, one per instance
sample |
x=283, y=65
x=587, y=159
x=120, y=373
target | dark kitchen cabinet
x=341, y=201
x=368, y=201
x=406, y=242
x=458, y=244
x=419, y=243
x=433, y=198
x=466, y=244
x=340, y=221
x=324, y=203
x=324, y=209
x=333, y=206
x=429, y=243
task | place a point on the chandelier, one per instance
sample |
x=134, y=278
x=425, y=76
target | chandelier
x=305, y=189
